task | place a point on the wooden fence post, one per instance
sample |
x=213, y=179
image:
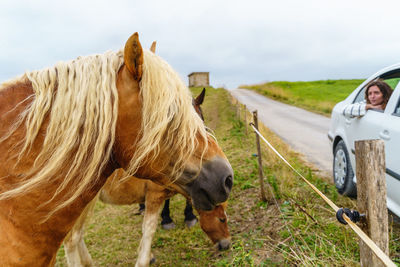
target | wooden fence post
x=238, y=110
x=260, y=168
x=371, y=197
x=245, y=118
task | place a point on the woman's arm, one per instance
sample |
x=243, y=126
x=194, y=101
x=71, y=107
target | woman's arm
x=355, y=110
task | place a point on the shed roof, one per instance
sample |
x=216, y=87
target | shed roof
x=198, y=72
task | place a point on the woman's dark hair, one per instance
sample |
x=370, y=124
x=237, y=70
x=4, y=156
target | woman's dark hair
x=385, y=89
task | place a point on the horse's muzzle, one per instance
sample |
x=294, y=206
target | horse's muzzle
x=213, y=184
x=223, y=244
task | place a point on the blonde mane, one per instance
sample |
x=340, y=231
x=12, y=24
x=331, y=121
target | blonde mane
x=80, y=99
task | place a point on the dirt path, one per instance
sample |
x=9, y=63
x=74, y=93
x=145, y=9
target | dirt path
x=304, y=131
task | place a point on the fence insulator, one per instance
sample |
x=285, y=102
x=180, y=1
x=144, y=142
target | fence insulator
x=353, y=215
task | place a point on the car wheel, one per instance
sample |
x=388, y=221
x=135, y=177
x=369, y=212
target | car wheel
x=343, y=172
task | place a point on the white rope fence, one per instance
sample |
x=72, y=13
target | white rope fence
x=378, y=252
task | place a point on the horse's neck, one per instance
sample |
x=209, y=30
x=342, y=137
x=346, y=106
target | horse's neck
x=13, y=100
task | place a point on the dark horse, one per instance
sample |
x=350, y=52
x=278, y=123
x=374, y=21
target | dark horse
x=65, y=129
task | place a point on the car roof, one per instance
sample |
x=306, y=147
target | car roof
x=386, y=69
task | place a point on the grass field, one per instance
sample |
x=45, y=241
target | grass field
x=316, y=96
x=294, y=228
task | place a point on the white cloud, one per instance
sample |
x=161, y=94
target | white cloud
x=237, y=41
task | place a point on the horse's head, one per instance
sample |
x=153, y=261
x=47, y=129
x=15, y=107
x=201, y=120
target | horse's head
x=159, y=135
x=214, y=224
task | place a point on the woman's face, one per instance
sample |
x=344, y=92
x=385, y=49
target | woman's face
x=375, y=95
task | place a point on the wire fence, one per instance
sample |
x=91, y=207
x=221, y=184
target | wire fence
x=374, y=248
x=378, y=252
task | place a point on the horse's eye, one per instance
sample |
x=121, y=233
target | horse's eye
x=222, y=220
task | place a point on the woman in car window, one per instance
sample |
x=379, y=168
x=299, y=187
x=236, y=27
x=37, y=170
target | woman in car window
x=377, y=94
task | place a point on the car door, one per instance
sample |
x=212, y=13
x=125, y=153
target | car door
x=362, y=128
x=390, y=133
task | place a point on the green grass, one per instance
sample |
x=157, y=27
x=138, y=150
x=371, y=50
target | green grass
x=316, y=96
x=294, y=228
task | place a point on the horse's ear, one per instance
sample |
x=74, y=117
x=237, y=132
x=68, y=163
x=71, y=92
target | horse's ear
x=200, y=98
x=133, y=56
x=153, y=47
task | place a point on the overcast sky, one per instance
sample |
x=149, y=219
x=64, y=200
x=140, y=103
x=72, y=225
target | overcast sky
x=238, y=42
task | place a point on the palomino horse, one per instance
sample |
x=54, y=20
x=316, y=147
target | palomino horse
x=133, y=190
x=65, y=129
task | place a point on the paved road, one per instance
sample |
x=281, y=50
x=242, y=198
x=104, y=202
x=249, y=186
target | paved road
x=304, y=131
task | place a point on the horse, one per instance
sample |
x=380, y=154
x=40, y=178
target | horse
x=65, y=129
x=134, y=190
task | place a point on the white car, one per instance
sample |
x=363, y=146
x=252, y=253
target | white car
x=375, y=124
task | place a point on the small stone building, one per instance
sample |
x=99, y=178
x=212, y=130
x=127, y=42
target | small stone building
x=199, y=79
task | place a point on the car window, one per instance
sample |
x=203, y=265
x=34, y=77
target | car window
x=392, y=80
x=397, y=109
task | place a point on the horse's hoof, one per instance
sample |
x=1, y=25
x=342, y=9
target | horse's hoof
x=191, y=223
x=139, y=212
x=168, y=226
x=153, y=260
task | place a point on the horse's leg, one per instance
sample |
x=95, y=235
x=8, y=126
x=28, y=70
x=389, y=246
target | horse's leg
x=154, y=201
x=142, y=208
x=75, y=248
x=190, y=218
x=167, y=223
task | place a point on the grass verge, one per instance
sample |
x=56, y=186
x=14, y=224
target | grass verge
x=316, y=96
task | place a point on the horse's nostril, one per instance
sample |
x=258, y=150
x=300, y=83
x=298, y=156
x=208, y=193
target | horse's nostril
x=229, y=182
